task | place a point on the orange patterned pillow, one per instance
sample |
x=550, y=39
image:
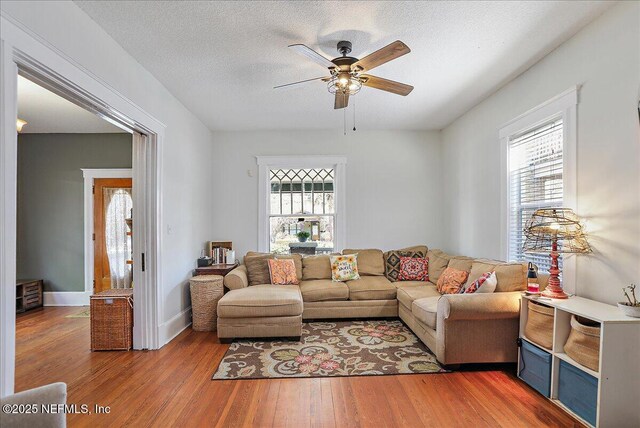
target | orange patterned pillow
x=451, y=280
x=283, y=272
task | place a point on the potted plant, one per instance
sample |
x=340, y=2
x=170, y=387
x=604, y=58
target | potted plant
x=303, y=236
x=632, y=306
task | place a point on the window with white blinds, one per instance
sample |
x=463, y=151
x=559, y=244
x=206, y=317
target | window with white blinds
x=535, y=181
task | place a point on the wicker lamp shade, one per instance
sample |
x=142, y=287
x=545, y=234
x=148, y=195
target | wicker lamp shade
x=555, y=231
x=559, y=225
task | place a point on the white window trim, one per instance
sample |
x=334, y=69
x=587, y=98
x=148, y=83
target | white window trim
x=562, y=106
x=266, y=163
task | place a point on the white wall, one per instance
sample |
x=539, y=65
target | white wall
x=393, y=183
x=187, y=144
x=605, y=59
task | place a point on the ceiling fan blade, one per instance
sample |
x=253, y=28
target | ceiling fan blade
x=312, y=55
x=391, y=51
x=386, y=85
x=301, y=81
x=342, y=100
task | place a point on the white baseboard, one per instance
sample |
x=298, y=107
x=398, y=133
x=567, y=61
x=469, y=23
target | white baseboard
x=170, y=329
x=66, y=298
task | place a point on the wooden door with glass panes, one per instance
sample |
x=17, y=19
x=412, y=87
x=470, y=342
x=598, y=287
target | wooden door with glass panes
x=105, y=190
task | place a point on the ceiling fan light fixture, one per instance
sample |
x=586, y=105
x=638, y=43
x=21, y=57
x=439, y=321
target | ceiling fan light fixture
x=351, y=86
x=343, y=79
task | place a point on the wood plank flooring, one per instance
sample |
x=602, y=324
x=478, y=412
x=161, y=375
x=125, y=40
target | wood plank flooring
x=173, y=387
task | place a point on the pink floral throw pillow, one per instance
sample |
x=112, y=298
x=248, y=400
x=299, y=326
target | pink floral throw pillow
x=283, y=272
x=414, y=269
x=485, y=284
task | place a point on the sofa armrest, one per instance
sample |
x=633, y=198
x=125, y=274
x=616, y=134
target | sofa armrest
x=53, y=394
x=237, y=278
x=482, y=306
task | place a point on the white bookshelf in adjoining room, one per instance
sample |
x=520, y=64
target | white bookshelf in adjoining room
x=618, y=375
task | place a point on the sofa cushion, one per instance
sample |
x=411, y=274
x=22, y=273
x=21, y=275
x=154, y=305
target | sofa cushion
x=461, y=263
x=258, y=266
x=479, y=267
x=422, y=249
x=371, y=288
x=320, y=290
x=426, y=310
x=261, y=301
x=438, y=261
x=392, y=262
x=316, y=267
x=297, y=261
x=370, y=262
x=511, y=277
x=410, y=292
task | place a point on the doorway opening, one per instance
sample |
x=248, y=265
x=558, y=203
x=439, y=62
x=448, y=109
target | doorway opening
x=57, y=140
x=22, y=55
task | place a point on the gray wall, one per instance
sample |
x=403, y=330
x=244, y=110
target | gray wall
x=50, y=202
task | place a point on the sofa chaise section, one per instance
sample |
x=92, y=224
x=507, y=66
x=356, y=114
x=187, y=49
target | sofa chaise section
x=261, y=311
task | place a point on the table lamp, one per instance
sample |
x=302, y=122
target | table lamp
x=555, y=231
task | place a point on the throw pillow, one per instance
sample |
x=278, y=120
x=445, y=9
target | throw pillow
x=485, y=284
x=414, y=269
x=451, y=280
x=344, y=268
x=258, y=268
x=392, y=262
x=283, y=272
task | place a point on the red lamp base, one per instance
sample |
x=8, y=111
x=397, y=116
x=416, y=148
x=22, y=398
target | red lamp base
x=554, y=290
x=554, y=293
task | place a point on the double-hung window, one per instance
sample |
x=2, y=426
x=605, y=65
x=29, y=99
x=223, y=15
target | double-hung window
x=301, y=194
x=539, y=171
x=301, y=199
x=535, y=181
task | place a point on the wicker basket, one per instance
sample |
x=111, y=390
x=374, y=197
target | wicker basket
x=583, y=343
x=112, y=320
x=539, y=327
x=206, y=291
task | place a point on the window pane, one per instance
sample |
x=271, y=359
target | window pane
x=283, y=231
x=275, y=204
x=535, y=177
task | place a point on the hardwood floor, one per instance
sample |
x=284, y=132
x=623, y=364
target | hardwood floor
x=173, y=387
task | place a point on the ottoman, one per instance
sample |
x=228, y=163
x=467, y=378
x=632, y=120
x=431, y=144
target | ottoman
x=260, y=311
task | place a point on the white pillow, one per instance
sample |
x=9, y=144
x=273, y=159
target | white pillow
x=487, y=283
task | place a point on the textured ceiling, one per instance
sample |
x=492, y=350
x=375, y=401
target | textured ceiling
x=221, y=59
x=47, y=113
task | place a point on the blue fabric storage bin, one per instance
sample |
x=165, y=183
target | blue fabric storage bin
x=578, y=391
x=535, y=368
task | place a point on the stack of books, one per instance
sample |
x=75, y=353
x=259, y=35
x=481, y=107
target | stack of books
x=219, y=254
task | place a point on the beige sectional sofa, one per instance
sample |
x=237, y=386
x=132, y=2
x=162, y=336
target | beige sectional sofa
x=458, y=328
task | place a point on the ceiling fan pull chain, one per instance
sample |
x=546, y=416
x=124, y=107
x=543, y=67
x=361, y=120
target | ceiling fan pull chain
x=344, y=118
x=354, y=114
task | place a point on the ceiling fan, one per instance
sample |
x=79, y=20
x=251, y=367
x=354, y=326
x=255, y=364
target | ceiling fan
x=347, y=73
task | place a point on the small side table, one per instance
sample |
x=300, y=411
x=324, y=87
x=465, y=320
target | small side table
x=218, y=269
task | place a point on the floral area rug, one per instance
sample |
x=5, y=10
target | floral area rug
x=327, y=349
